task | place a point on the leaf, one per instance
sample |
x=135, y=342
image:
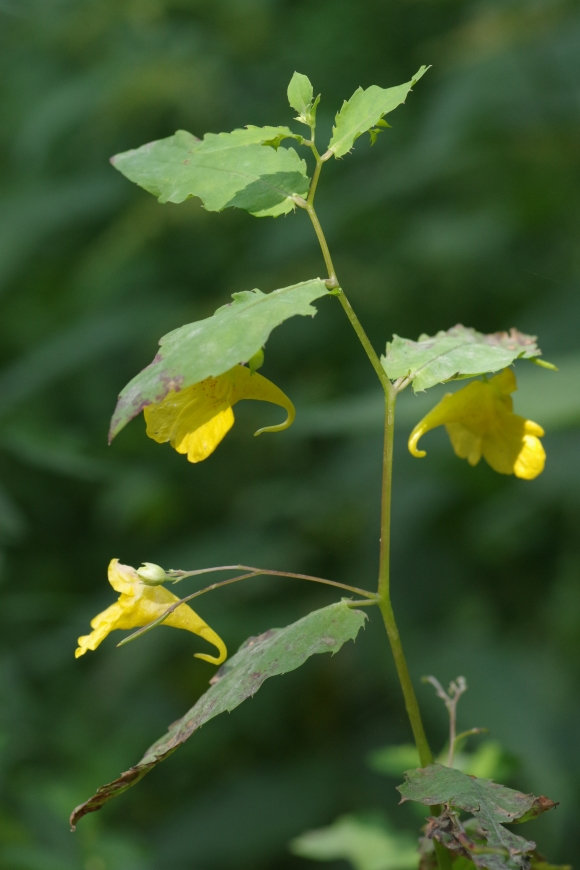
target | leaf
x=275, y=652
x=468, y=844
x=394, y=760
x=364, y=111
x=223, y=169
x=301, y=98
x=207, y=348
x=457, y=353
x=367, y=842
x=300, y=93
x=492, y=805
x=488, y=760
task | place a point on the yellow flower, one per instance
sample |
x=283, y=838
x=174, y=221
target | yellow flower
x=195, y=420
x=480, y=422
x=140, y=604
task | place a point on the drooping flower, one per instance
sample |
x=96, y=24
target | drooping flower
x=194, y=420
x=479, y=420
x=139, y=604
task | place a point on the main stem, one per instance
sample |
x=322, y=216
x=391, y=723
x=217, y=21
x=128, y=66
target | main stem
x=425, y=754
x=411, y=704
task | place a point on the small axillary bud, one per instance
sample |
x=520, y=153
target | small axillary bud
x=151, y=574
x=299, y=200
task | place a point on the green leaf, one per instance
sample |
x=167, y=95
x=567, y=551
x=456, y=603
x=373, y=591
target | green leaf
x=488, y=760
x=364, y=111
x=301, y=98
x=223, y=169
x=457, y=353
x=300, y=93
x=367, y=842
x=492, y=805
x=394, y=760
x=275, y=652
x=207, y=348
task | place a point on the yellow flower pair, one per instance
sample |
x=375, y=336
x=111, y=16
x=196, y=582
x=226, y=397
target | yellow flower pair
x=479, y=420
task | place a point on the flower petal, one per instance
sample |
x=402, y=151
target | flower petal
x=202, y=442
x=180, y=413
x=505, y=381
x=122, y=577
x=102, y=625
x=466, y=444
x=531, y=459
x=248, y=385
x=470, y=406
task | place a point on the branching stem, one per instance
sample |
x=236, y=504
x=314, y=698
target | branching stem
x=370, y=597
x=180, y=575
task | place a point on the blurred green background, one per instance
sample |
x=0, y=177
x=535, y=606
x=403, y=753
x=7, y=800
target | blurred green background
x=466, y=211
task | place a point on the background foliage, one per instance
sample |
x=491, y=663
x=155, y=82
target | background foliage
x=465, y=211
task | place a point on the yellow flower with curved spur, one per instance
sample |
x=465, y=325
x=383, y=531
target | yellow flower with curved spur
x=479, y=420
x=196, y=419
x=139, y=604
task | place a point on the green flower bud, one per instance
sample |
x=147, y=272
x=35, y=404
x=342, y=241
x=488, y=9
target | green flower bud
x=151, y=574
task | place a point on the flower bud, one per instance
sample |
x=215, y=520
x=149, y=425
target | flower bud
x=151, y=574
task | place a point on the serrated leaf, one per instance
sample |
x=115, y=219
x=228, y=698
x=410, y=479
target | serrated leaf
x=456, y=353
x=207, y=348
x=225, y=169
x=491, y=804
x=275, y=652
x=300, y=93
x=366, y=841
x=364, y=110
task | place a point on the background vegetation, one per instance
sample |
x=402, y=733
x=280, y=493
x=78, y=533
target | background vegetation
x=466, y=211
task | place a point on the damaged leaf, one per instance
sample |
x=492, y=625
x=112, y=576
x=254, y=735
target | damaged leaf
x=223, y=169
x=470, y=842
x=492, y=806
x=275, y=652
x=458, y=352
x=208, y=348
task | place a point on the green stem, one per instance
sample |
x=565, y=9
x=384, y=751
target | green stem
x=332, y=282
x=369, y=597
x=425, y=754
x=385, y=546
x=411, y=704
